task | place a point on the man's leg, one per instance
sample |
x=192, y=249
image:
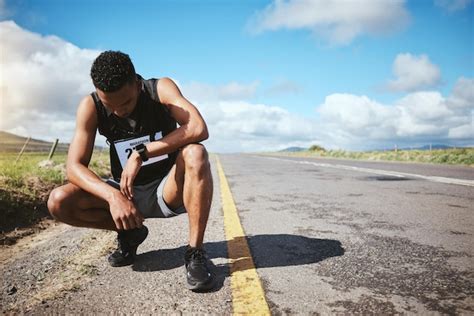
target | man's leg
x=72, y=205
x=190, y=183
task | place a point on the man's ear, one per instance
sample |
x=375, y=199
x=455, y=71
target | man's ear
x=138, y=83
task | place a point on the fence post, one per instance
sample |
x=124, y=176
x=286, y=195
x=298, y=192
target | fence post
x=53, y=148
x=22, y=149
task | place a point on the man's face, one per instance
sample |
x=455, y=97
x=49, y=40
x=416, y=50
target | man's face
x=123, y=101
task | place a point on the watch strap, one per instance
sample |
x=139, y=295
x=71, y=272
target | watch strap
x=141, y=149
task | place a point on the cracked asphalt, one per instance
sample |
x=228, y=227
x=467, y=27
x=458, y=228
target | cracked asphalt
x=336, y=241
x=323, y=240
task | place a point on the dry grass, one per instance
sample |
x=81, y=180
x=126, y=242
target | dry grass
x=459, y=156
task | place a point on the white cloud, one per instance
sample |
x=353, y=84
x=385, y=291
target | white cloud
x=43, y=78
x=236, y=126
x=284, y=86
x=462, y=97
x=235, y=90
x=462, y=132
x=350, y=116
x=424, y=106
x=358, y=122
x=413, y=73
x=453, y=5
x=229, y=91
x=339, y=22
x=344, y=121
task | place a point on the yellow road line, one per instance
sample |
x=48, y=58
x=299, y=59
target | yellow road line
x=248, y=297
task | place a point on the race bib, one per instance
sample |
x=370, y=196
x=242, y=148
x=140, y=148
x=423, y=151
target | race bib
x=125, y=149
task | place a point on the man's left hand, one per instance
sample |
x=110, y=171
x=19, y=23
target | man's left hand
x=129, y=173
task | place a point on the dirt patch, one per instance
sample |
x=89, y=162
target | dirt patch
x=76, y=269
x=10, y=238
x=27, y=238
x=46, y=266
x=23, y=208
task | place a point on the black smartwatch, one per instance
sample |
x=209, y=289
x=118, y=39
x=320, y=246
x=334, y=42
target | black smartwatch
x=141, y=150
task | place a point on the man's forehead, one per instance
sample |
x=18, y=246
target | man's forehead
x=116, y=97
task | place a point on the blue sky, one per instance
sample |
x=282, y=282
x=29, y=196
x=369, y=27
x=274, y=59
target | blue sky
x=266, y=74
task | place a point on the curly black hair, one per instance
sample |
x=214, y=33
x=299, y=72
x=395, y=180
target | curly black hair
x=111, y=70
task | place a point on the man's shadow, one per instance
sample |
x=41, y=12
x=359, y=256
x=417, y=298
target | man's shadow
x=267, y=251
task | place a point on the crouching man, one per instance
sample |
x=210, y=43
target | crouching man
x=159, y=170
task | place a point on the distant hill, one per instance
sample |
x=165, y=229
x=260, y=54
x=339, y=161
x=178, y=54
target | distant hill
x=293, y=149
x=13, y=143
x=425, y=147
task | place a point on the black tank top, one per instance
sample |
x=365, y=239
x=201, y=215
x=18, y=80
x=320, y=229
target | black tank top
x=152, y=121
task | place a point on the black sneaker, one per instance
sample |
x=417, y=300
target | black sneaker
x=128, y=242
x=197, y=273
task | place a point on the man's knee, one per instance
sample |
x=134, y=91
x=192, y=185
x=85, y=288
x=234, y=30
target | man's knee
x=195, y=156
x=57, y=203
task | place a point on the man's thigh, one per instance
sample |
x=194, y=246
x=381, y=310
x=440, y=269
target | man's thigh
x=173, y=187
x=73, y=196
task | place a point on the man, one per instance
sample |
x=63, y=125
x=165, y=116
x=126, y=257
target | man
x=158, y=170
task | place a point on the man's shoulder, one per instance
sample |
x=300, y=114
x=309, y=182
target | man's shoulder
x=159, y=88
x=165, y=81
x=88, y=99
x=86, y=106
x=167, y=89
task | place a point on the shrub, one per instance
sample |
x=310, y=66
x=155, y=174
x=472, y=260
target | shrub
x=316, y=148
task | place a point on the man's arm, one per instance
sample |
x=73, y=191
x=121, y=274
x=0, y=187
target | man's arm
x=192, y=129
x=80, y=152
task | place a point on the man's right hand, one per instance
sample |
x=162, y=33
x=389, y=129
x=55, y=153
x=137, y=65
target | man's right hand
x=124, y=213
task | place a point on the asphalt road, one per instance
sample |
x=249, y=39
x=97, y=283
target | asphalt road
x=325, y=238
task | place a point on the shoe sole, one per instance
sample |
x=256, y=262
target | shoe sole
x=201, y=287
x=124, y=263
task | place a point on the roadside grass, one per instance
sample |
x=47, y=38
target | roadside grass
x=454, y=156
x=14, y=175
x=25, y=185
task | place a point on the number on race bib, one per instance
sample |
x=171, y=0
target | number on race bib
x=125, y=148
